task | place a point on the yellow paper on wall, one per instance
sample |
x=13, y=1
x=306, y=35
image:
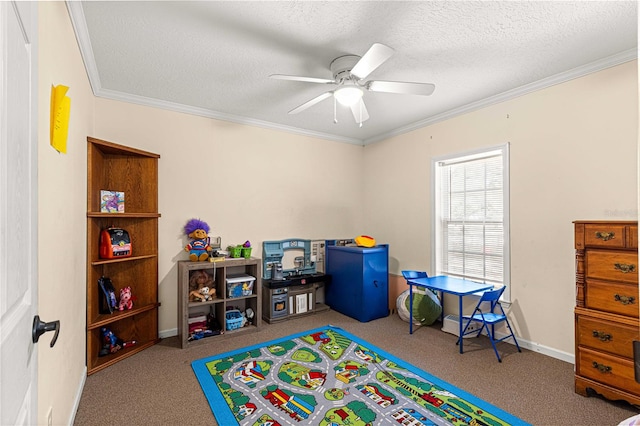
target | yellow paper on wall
x=60, y=108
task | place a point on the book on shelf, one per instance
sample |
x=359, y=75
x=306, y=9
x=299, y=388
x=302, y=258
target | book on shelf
x=197, y=317
x=111, y=201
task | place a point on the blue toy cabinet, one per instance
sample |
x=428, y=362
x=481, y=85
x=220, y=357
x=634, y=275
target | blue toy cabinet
x=359, y=286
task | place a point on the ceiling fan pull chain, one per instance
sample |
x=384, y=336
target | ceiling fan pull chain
x=335, y=115
x=361, y=103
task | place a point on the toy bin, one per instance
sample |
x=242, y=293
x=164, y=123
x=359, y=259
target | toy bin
x=239, y=285
x=234, y=319
x=235, y=251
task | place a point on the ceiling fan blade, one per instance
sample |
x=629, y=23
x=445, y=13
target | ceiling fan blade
x=305, y=79
x=311, y=103
x=375, y=56
x=404, y=87
x=359, y=111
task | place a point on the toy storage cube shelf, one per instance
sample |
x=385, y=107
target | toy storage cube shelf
x=228, y=277
x=119, y=168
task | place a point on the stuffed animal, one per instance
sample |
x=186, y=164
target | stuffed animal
x=199, y=247
x=110, y=343
x=125, y=299
x=198, y=280
x=202, y=295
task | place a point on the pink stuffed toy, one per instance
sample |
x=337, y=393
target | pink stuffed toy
x=126, y=301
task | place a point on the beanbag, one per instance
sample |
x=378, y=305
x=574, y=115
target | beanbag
x=426, y=307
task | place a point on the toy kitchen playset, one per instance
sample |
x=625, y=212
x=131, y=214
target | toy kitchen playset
x=293, y=278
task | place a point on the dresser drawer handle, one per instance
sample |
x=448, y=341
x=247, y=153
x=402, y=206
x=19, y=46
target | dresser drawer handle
x=605, y=337
x=625, y=268
x=601, y=367
x=625, y=300
x=605, y=236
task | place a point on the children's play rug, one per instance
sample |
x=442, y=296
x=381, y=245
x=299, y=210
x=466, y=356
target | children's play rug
x=329, y=377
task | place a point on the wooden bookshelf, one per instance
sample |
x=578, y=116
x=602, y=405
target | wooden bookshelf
x=135, y=172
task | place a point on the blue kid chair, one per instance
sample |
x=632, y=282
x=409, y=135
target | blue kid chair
x=414, y=274
x=490, y=318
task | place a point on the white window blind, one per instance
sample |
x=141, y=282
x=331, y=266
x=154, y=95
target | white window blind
x=471, y=216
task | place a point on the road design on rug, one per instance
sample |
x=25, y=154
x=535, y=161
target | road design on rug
x=330, y=378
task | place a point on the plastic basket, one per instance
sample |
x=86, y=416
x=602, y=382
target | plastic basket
x=239, y=285
x=246, y=252
x=235, y=251
x=234, y=319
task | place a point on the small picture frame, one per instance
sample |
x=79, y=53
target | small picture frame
x=111, y=201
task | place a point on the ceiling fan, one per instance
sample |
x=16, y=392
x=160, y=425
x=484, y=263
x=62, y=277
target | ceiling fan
x=349, y=72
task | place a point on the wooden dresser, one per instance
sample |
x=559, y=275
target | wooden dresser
x=606, y=313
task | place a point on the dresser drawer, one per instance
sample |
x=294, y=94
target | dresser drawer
x=608, y=369
x=617, y=298
x=606, y=336
x=604, y=235
x=633, y=237
x=612, y=265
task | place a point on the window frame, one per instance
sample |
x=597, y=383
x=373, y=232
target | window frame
x=435, y=216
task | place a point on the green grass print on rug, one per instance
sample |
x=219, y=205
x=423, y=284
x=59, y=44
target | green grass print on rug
x=329, y=377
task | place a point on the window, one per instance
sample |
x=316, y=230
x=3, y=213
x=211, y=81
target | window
x=471, y=216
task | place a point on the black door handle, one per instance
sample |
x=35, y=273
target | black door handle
x=41, y=327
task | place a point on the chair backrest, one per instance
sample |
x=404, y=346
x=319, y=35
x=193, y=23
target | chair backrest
x=492, y=295
x=414, y=274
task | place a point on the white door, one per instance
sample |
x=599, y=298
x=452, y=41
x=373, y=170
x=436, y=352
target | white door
x=18, y=213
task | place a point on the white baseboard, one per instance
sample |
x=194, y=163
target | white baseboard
x=526, y=344
x=76, y=402
x=163, y=334
x=545, y=350
x=536, y=347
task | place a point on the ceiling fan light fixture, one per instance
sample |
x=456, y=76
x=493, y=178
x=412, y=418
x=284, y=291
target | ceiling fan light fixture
x=349, y=95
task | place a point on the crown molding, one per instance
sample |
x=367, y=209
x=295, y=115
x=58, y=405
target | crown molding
x=599, y=65
x=79, y=24
x=80, y=28
x=207, y=113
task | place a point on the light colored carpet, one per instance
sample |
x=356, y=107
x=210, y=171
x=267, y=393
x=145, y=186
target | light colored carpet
x=158, y=387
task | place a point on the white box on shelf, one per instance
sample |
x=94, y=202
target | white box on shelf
x=239, y=285
x=451, y=324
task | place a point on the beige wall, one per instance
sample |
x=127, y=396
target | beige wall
x=247, y=183
x=62, y=216
x=573, y=156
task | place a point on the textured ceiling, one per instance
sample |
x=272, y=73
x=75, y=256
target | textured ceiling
x=214, y=58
